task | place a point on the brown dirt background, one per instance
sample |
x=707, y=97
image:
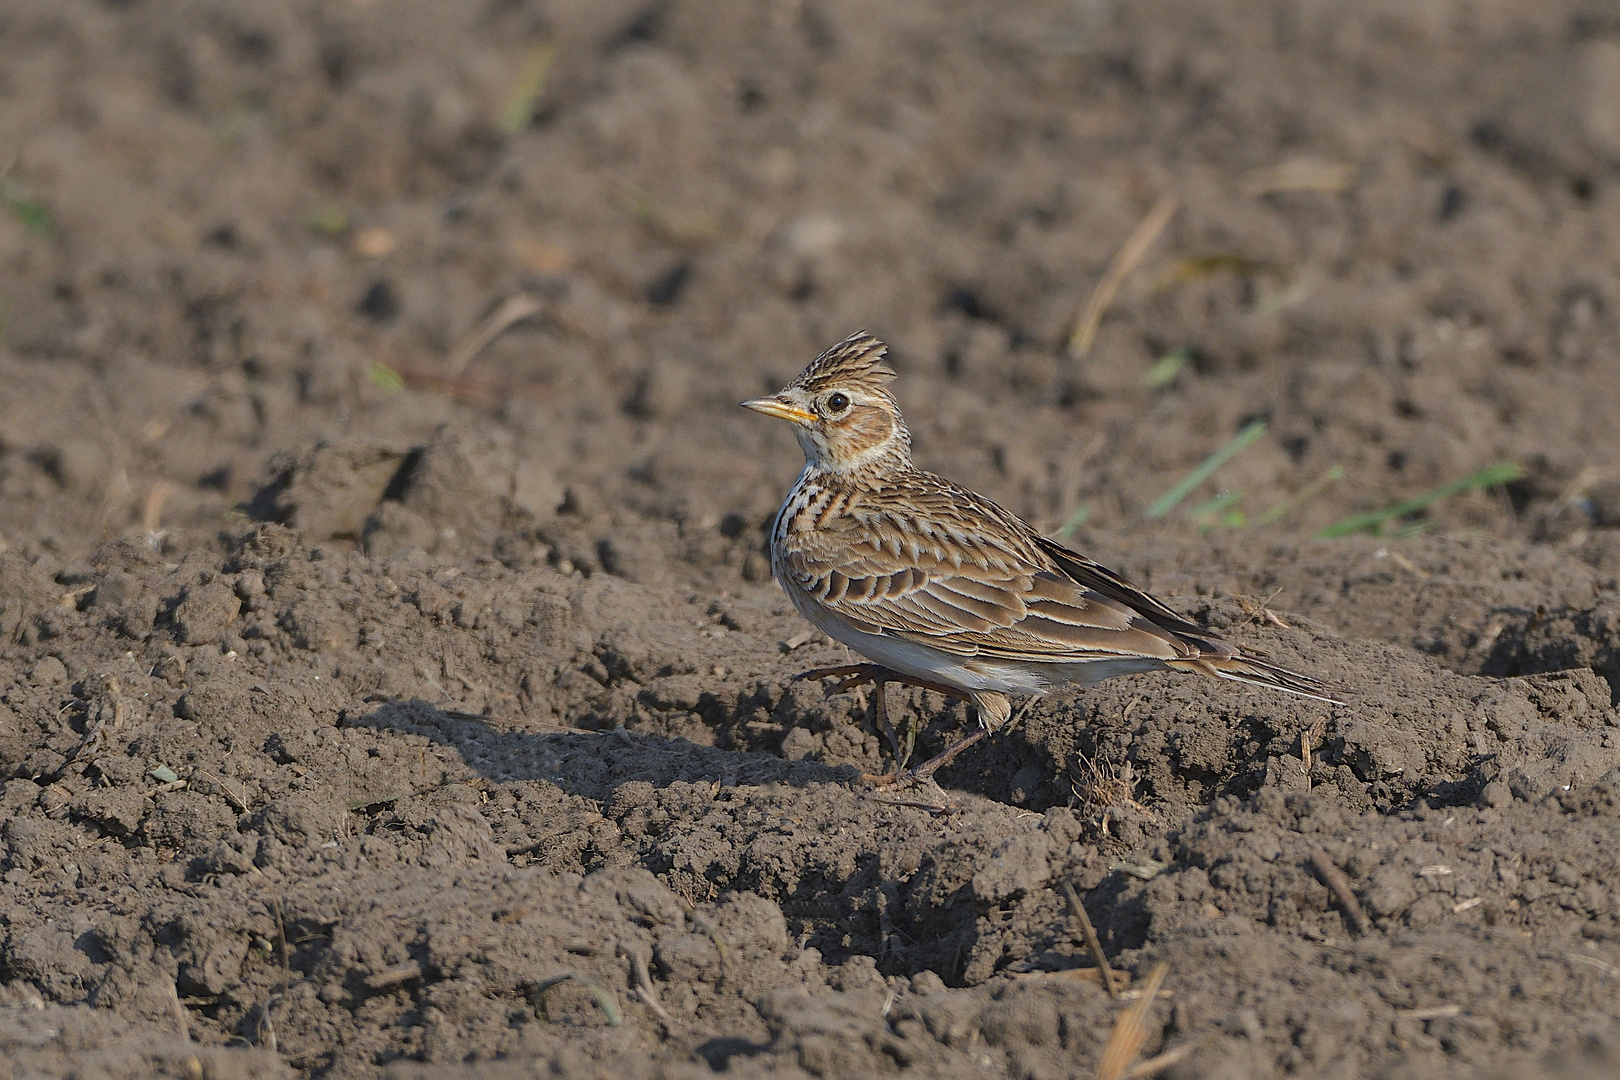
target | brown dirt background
x=337, y=718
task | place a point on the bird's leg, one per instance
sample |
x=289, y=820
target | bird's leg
x=852, y=675
x=880, y=707
x=900, y=749
x=993, y=713
x=925, y=772
x=902, y=753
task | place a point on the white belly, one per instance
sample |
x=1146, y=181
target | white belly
x=967, y=672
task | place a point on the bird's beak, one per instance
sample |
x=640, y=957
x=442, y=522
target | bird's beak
x=775, y=406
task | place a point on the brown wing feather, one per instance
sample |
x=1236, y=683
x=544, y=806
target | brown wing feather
x=928, y=561
x=1091, y=574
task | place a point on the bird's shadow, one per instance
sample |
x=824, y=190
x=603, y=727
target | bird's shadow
x=596, y=764
x=590, y=764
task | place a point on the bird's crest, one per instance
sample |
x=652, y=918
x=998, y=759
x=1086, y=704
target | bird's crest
x=855, y=361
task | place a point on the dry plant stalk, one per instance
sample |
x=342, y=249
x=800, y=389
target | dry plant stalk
x=1157, y=1064
x=152, y=508
x=1309, y=740
x=1123, y=262
x=1261, y=610
x=513, y=309
x=1339, y=885
x=230, y=796
x=643, y=985
x=1130, y=1030
x=1300, y=174
x=1098, y=957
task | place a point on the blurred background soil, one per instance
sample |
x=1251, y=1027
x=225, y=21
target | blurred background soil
x=391, y=680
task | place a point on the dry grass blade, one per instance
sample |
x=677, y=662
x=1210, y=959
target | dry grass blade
x=1432, y=1012
x=280, y=947
x=643, y=985
x=1120, y=979
x=1130, y=1030
x=1301, y=174
x=225, y=789
x=1123, y=262
x=704, y=926
x=182, y=1022
x=470, y=388
x=1092, y=943
x=1155, y=1065
x=513, y=309
x=599, y=994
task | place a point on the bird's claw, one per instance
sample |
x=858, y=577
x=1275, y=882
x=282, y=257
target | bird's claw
x=851, y=675
x=924, y=773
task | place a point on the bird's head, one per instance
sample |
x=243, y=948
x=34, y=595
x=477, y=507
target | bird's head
x=843, y=417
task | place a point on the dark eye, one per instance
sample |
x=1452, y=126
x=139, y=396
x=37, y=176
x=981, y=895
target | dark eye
x=837, y=403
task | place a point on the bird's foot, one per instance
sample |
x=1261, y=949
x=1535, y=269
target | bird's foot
x=850, y=676
x=924, y=774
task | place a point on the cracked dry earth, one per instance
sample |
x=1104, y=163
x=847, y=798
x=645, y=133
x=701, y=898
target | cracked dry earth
x=360, y=717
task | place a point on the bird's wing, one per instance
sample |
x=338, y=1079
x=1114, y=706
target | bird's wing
x=1093, y=575
x=934, y=563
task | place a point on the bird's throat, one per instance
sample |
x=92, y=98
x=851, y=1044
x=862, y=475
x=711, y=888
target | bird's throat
x=870, y=440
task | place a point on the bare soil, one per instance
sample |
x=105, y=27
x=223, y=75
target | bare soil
x=366, y=715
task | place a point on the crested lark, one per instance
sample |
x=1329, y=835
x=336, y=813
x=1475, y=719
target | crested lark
x=942, y=588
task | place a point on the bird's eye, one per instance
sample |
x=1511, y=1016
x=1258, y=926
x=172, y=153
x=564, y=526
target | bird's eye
x=837, y=403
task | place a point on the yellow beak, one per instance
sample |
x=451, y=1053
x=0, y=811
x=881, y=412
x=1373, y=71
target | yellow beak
x=772, y=406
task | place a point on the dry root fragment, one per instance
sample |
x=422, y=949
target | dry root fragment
x=1099, y=790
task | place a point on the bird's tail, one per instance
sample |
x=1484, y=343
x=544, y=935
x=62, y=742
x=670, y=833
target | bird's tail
x=1237, y=667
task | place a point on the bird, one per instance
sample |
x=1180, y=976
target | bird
x=937, y=586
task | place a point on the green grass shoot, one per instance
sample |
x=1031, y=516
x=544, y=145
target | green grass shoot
x=1206, y=266
x=1374, y=520
x=1221, y=510
x=385, y=378
x=1167, y=367
x=1081, y=515
x=1305, y=495
x=518, y=112
x=1170, y=499
x=329, y=221
x=34, y=215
